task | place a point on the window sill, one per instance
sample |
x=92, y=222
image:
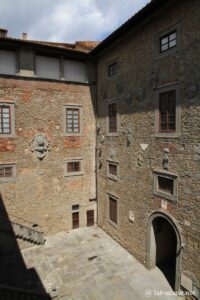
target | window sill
x=8, y=136
x=73, y=174
x=167, y=135
x=112, y=134
x=116, y=226
x=113, y=177
x=166, y=196
x=6, y=180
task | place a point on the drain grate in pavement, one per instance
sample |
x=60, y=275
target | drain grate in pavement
x=92, y=257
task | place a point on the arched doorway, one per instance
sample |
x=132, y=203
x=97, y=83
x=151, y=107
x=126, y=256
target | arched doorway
x=164, y=247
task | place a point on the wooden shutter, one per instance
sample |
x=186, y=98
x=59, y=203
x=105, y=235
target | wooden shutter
x=112, y=114
x=75, y=220
x=113, y=209
x=90, y=218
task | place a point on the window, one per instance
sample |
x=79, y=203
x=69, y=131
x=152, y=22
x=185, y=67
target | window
x=72, y=115
x=90, y=218
x=75, y=71
x=112, y=169
x=167, y=111
x=8, y=62
x=7, y=173
x=112, y=117
x=73, y=167
x=165, y=185
x=168, y=41
x=112, y=69
x=47, y=67
x=7, y=120
x=75, y=207
x=113, y=209
x=73, y=120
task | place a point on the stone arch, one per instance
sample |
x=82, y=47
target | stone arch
x=152, y=245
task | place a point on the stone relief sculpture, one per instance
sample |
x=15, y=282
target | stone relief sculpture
x=165, y=161
x=191, y=90
x=40, y=145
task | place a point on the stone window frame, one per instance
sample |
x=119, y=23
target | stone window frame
x=76, y=106
x=12, y=118
x=14, y=173
x=162, y=89
x=75, y=159
x=110, y=176
x=112, y=101
x=116, y=226
x=174, y=27
x=168, y=175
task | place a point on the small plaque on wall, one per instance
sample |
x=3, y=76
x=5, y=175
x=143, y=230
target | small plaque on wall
x=131, y=216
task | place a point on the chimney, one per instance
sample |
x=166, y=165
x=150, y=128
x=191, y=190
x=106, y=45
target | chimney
x=24, y=36
x=3, y=32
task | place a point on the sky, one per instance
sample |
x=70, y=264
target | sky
x=66, y=20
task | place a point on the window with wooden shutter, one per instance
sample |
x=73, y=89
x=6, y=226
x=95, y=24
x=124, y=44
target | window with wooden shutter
x=112, y=115
x=166, y=185
x=167, y=111
x=113, y=210
x=5, y=119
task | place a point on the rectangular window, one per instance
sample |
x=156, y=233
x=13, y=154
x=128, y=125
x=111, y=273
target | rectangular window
x=5, y=119
x=165, y=185
x=47, y=67
x=113, y=209
x=112, y=69
x=167, y=111
x=112, y=115
x=112, y=169
x=73, y=120
x=73, y=166
x=168, y=41
x=7, y=173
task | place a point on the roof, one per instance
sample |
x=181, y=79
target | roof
x=79, y=47
x=139, y=17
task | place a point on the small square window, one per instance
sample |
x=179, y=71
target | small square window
x=112, y=69
x=168, y=41
x=165, y=185
x=75, y=207
x=73, y=167
x=112, y=169
x=7, y=173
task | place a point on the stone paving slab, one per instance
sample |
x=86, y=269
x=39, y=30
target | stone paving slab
x=87, y=264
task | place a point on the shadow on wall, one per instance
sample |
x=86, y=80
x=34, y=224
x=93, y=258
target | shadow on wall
x=14, y=273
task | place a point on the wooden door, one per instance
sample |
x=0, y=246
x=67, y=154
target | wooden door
x=90, y=218
x=75, y=220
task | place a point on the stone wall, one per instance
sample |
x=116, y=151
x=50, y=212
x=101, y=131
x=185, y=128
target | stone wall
x=142, y=72
x=41, y=194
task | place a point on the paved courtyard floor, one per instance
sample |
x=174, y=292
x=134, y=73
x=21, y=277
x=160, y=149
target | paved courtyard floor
x=86, y=264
